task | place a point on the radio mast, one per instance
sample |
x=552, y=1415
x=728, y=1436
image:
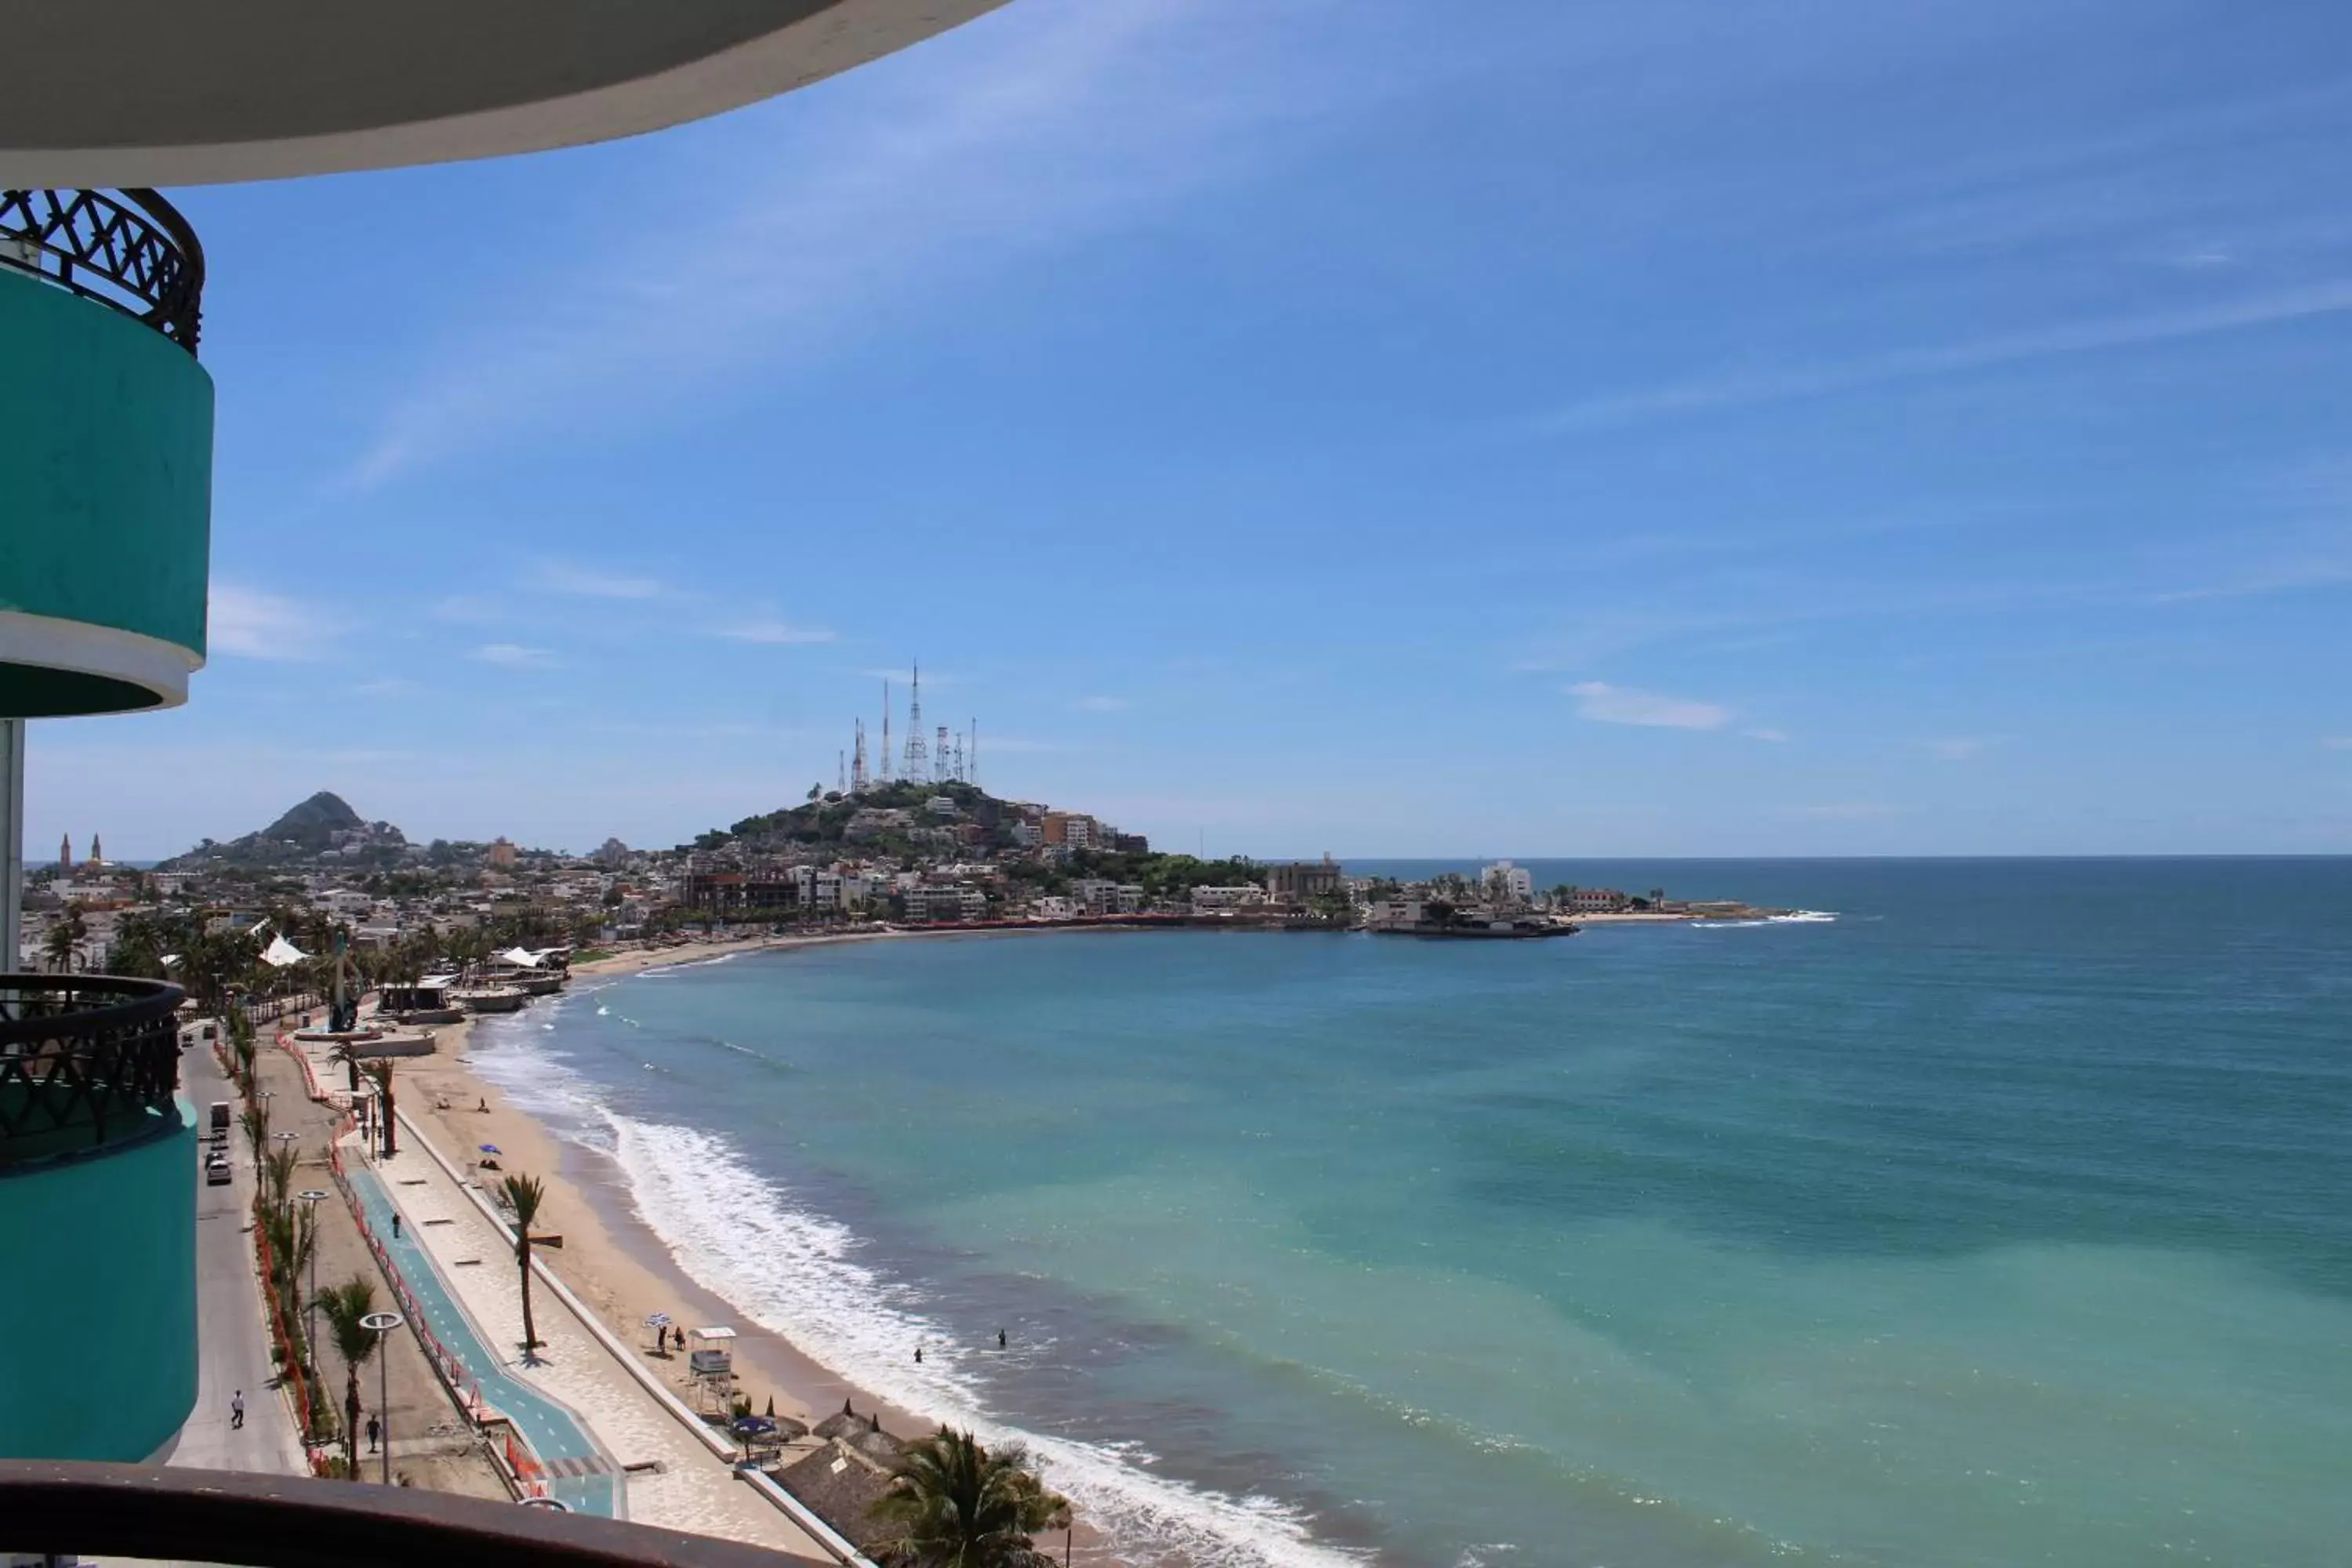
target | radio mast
x=918, y=763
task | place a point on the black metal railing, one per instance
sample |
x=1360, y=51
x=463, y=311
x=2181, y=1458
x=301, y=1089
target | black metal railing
x=283, y=1522
x=85, y=1059
x=128, y=249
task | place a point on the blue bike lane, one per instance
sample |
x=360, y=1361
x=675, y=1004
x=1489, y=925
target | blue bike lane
x=577, y=1471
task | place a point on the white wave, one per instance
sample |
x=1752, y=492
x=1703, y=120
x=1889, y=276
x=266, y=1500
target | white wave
x=798, y=1274
x=535, y=1078
x=663, y=971
x=1794, y=917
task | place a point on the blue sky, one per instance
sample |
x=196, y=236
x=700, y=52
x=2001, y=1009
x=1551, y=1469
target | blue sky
x=1659, y=428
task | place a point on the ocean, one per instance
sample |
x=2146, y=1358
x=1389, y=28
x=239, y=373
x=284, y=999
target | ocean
x=2005, y=1218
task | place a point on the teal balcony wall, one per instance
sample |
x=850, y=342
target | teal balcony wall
x=98, y=1300
x=106, y=436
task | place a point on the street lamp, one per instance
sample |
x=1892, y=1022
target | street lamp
x=312, y=1195
x=382, y=1324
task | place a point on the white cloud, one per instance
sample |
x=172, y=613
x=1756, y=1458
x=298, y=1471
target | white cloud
x=1608, y=704
x=470, y=610
x=770, y=630
x=513, y=655
x=248, y=623
x=788, y=231
x=1101, y=704
x=1741, y=389
x=584, y=582
x=1778, y=737
x=1846, y=811
x=1960, y=748
x=2287, y=579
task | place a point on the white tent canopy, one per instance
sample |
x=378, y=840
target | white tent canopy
x=281, y=953
x=520, y=957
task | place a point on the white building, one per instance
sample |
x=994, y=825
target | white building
x=1246, y=896
x=1507, y=883
x=943, y=902
x=1101, y=896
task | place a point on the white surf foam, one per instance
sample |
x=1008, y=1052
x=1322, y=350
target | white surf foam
x=663, y=971
x=798, y=1273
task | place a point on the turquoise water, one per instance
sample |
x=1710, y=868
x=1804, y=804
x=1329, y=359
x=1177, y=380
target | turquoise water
x=2002, y=1220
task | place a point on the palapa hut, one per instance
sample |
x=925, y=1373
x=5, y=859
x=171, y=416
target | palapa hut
x=841, y=1484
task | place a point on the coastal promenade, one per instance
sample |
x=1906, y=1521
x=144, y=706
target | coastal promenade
x=656, y=1470
x=578, y=1472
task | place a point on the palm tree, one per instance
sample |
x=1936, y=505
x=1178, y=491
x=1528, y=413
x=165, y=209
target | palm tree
x=345, y=1305
x=242, y=1047
x=255, y=1119
x=292, y=1235
x=348, y=1053
x=65, y=939
x=278, y=1165
x=958, y=1505
x=379, y=1072
x=524, y=1195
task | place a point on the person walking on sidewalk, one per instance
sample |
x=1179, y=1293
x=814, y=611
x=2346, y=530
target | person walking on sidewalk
x=373, y=1427
x=237, y=1410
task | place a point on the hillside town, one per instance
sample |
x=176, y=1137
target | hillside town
x=894, y=854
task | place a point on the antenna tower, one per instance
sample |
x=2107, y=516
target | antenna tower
x=857, y=763
x=975, y=751
x=886, y=727
x=940, y=760
x=840, y=773
x=917, y=764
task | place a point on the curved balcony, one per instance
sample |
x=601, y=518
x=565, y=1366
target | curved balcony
x=106, y=453
x=85, y=1061
x=273, y=1521
x=128, y=249
x=97, y=1218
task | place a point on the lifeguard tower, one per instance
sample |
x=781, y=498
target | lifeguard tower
x=710, y=1361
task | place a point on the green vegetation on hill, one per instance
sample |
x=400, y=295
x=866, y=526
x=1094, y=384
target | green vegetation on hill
x=1160, y=876
x=826, y=819
x=303, y=833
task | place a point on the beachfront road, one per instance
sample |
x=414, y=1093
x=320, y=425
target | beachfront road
x=233, y=1347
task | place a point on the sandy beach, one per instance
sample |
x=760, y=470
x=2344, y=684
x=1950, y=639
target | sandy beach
x=616, y=1264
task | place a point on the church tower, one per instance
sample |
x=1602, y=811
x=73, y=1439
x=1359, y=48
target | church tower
x=97, y=855
x=65, y=853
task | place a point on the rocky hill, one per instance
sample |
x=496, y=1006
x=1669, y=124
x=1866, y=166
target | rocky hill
x=324, y=825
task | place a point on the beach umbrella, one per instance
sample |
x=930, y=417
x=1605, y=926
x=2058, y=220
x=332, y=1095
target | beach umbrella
x=661, y=1321
x=753, y=1427
x=492, y=1149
